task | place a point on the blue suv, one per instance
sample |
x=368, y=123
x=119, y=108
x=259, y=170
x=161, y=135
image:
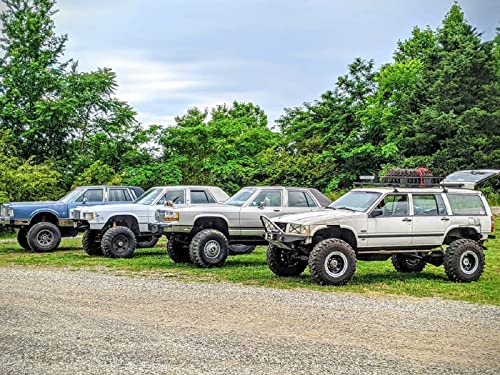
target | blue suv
x=43, y=224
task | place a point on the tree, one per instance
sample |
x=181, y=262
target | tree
x=224, y=150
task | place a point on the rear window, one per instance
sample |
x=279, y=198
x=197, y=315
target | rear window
x=466, y=204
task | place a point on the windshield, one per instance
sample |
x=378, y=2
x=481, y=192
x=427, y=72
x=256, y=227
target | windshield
x=240, y=197
x=470, y=176
x=72, y=195
x=356, y=200
x=149, y=196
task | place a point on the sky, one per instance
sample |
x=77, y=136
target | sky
x=170, y=55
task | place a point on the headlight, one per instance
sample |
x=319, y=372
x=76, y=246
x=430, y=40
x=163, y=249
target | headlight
x=10, y=212
x=88, y=216
x=304, y=230
x=170, y=216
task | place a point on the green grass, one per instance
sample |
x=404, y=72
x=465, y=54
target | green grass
x=371, y=278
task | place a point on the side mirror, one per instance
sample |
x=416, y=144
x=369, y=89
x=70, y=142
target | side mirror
x=84, y=200
x=262, y=204
x=376, y=212
x=168, y=203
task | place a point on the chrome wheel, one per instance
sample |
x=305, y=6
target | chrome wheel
x=336, y=264
x=45, y=237
x=212, y=249
x=469, y=262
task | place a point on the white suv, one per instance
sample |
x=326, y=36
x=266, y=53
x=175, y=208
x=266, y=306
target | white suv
x=413, y=226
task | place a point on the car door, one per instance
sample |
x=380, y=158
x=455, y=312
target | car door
x=299, y=201
x=389, y=223
x=119, y=195
x=430, y=219
x=90, y=197
x=267, y=202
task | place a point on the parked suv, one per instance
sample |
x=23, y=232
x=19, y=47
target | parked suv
x=42, y=224
x=207, y=234
x=116, y=231
x=412, y=226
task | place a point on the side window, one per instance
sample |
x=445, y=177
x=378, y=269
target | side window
x=119, y=195
x=299, y=199
x=394, y=205
x=270, y=198
x=176, y=196
x=466, y=204
x=428, y=205
x=310, y=201
x=92, y=195
x=201, y=197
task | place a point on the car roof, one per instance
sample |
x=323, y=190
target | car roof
x=389, y=189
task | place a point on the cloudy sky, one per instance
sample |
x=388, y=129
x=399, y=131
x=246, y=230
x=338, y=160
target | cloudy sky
x=174, y=54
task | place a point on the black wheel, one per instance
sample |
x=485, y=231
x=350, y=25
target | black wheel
x=332, y=262
x=178, y=251
x=91, y=243
x=240, y=249
x=118, y=242
x=43, y=237
x=22, y=238
x=464, y=261
x=151, y=242
x=283, y=262
x=208, y=248
x=404, y=263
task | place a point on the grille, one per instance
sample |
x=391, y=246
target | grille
x=3, y=211
x=75, y=215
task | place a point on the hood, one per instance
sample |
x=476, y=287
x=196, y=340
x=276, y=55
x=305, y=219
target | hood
x=318, y=217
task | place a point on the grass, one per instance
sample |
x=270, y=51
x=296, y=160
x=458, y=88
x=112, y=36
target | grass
x=371, y=278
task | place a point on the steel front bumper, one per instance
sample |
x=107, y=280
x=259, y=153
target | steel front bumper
x=8, y=221
x=5, y=220
x=276, y=236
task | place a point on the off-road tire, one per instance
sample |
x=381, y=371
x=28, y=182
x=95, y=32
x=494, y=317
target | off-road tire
x=22, y=238
x=118, y=242
x=148, y=243
x=90, y=243
x=44, y=237
x=208, y=248
x=178, y=251
x=405, y=264
x=464, y=261
x=280, y=264
x=239, y=249
x=329, y=251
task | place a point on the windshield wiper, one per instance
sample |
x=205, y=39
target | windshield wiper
x=346, y=208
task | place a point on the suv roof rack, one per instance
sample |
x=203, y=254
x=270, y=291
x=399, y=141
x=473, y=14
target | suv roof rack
x=404, y=181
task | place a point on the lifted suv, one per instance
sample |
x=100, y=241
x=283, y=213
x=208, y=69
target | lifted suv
x=413, y=226
x=115, y=231
x=42, y=224
x=205, y=235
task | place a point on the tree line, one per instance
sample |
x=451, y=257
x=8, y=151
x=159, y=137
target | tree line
x=436, y=104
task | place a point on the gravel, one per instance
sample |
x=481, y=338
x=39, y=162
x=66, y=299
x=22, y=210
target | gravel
x=77, y=322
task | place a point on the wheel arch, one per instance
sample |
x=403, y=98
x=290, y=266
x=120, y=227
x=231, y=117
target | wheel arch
x=217, y=222
x=49, y=216
x=455, y=233
x=125, y=220
x=336, y=231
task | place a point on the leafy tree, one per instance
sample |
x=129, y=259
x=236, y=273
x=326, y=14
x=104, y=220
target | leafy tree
x=223, y=150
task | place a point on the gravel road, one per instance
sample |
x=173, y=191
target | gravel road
x=74, y=322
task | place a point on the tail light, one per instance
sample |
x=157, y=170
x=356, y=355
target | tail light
x=492, y=224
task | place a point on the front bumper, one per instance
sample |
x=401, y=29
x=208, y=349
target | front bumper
x=9, y=222
x=157, y=228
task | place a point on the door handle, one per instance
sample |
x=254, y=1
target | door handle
x=445, y=219
x=276, y=210
x=406, y=219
